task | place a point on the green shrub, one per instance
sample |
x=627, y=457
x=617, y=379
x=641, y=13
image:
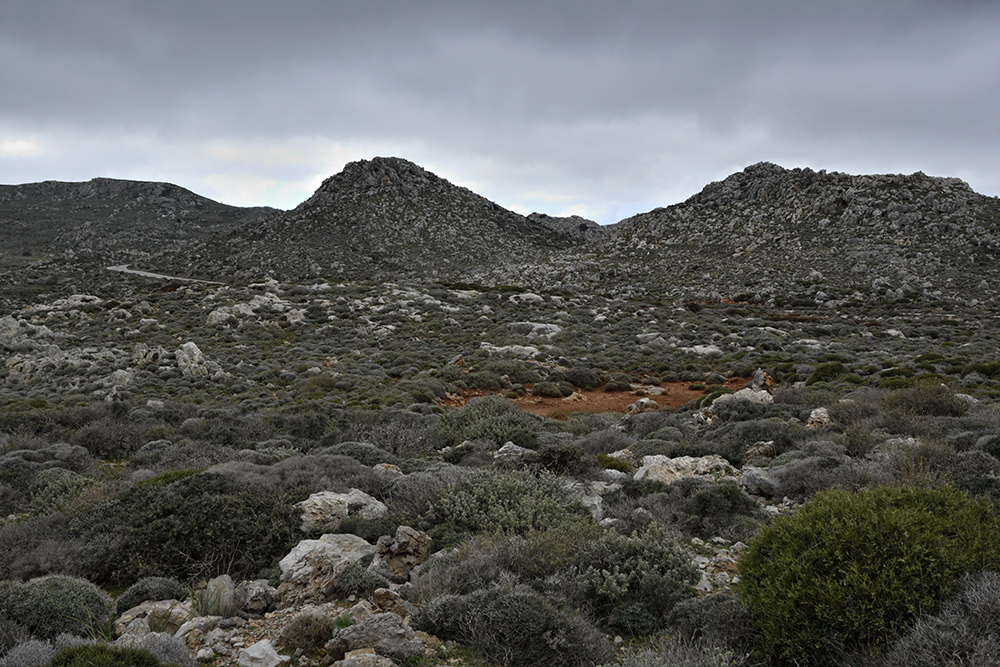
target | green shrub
x=718, y=509
x=362, y=452
x=150, y=588
x=828, y=372
x=55, y=488
x=195, y=527
x=490, y=418
x=103, y=655
x=510, y=502
x=632, y=583
x=514, y=626
x=12, y=633
x=850, y=570
x=552, y=389
x=561, y=459
x=310, y=631
x=356, y=580
x=926, y=400
x=580, y=376
x=49, y=606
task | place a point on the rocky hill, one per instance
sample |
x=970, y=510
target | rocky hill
x=385, y=218
x=769, y=234
x=111, y=220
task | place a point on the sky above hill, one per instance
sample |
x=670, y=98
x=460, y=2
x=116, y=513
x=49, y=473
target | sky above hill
x=587, y=107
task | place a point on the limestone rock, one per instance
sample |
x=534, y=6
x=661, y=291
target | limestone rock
x=165, y=615
x=761, y=449
x=387, y=471
x=664, y=469
x=325, y=510
x=309, y=572
x=388, y=634
x=396, y=556
x=190, y=360
x=643, y=405
x=818, y=418
x=760, y=482
x=255, y=596
x=511, y=452
x=364, y=658
x=261, y=654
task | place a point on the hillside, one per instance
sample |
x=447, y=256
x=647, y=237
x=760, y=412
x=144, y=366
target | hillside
x=406, y=426
x=386, y=218
x=769, y=234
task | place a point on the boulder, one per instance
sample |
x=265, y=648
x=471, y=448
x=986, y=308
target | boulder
x=309, y=572
x=387, y=471
x=396, y=556
x=590, y=495
x=664, y=469
x=760, y=449
x=190, y=360
x=324, y=511
x=387, y=634
x=218, y=597
x=261, y=654
x=255, y=596
x=760, y=482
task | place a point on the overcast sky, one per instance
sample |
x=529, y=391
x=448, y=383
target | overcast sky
x=602, y=109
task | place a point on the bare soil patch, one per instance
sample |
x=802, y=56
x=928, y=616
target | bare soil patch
x=666, y=395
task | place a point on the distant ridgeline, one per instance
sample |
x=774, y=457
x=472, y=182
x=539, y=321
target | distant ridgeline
x=765, y=235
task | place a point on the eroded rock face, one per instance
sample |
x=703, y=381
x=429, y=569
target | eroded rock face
x=324, y=511
x=255, y=596
x=396, y=556
x=309, y=572
x=664, y=469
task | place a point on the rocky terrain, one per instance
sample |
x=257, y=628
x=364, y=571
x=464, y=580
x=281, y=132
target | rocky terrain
x=401, y=425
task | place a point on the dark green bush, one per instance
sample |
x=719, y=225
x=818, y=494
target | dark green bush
x=580, y=376
x=561, y=459
x=828, y=372
x=363, y=452
x=925, y=400
x=150, y=588
x=515, y=626
x=491, y=418
x=103, y=655
x=552, y=389
x=49, y=606
x=850, y=570
x=195, y=527
x=631, y=583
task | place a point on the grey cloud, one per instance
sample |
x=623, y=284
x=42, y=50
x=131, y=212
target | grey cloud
x=619, y=102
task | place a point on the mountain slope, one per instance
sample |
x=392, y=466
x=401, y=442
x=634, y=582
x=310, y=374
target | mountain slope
x=384, y=218
x=111, y=220
x=769, y=234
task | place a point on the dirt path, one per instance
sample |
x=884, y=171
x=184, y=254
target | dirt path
x=668, y=394
x=123, y=268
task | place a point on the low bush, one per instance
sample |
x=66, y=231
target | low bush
x=49, y=606
x=308, y=631
x=190, y=528
x=103, y=655
x=850, y=570
x=515, y=626
x=491, y=418
x=363, y=452
x=150, y=588
x=496, y=501
x=719, y=619
x=580, y=376
x=552, y=389
x=630, y=584
x=356, y=580
x=964, y=632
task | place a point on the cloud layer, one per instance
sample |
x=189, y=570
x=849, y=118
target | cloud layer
x=589, y=107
